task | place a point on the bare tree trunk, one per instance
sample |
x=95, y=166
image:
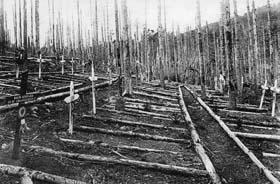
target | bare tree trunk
x=200, y=51
x=25, y=38
x=15, y=24
x=37, y=23
x=118, y=45
x=256, y=66
x=32, y=28
x=161, y=51
x=250, y=47
x=232, y=74
x=271, y=59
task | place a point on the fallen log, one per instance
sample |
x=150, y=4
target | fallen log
x=196, y=140
x=147, y=113
x=153, y=91
x=54, y=96
x=139, y=101
x=132, y=123
x=152, y=107
x=248, y=122
x=267, y=172
x=271, y=155
x=36, y=175
x=129, y=134
x=135, y=163
x=241, y=113
x=124, y=147
x=253, y=126
x=112, y=110
x=160, y=97
x=258, y=136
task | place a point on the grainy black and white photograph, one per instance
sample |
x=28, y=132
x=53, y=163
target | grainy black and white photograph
x=139, y=92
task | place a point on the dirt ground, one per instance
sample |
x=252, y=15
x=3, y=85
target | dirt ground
x=230, y=162
x=50, y=120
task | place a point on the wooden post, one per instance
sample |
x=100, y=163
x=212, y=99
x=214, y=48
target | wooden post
x=264, y=87
x=40, y=66
x=93, y=79
x=69, y=100
x=62, y=65
x=274, y=89
x=20, y=118
x=37, y=24
x=72, y=66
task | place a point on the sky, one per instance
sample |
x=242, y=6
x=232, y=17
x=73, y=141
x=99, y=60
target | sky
x=180, y=13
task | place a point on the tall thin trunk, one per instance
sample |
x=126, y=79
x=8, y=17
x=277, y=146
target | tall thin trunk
x=118, y=47
x=237, y=60
x=250, y=46
x=32, y=27
x=25, y=37
x=232, y=75
x=161, y=51
x=15, y=24
x=200, y=51
x=256, y=68
x=271, y=59
x=37, y=24
x=53, y=29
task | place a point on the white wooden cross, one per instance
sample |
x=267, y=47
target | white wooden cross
x=62, y=65
x=93, y=78
x=69, y=100
x=264, y=87
x=275, y=92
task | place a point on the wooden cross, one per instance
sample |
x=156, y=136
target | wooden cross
x=264, y=87
x=275, y=92
x=92, y=78
x=62, y=65
x=69, y=100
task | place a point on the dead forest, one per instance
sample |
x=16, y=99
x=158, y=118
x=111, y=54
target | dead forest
x=90, y=95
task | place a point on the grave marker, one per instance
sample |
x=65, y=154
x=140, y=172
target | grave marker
x=92, y=78
x=264, y=87
x=69, y=100
x=62, y=65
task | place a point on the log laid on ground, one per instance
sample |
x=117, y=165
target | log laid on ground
x=139, y=101
x=152, y=107
x=133, y=123
x=248, y=122
x=135, y=163
x=253, y=126
x=54, y=96
x=129, y=134
x=160, y=97
x=147, y=113
x=259, y=136
x=124, y=147
x=271, y=155
x=267, y=172
x=36, y=175
x=196, y=140
x=153, y=91
x=132, y=114
x=241, y=113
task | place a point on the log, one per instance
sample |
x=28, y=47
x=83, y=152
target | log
x=132, y=123
x=258, y=136
x=260, y=165
x=49, y=97
x=139, y=101
x=197, y=143
x=36, y=175
x=131, y=114
x=124, y=147
x=135, y=163
x=153, y=107
x=128, y=134
x=254, y=126
x=154, y=91
x=160, y=97
x=147, y=113
x=255, y=123
x=271, y=155
x=241, y=113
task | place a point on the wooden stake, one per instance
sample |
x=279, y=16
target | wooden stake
x=40, y=66
x=274, y=98
x=93, y=79
x=264, y=87
x=62, y=65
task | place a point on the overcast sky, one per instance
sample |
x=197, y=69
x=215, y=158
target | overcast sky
x=179, y=12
